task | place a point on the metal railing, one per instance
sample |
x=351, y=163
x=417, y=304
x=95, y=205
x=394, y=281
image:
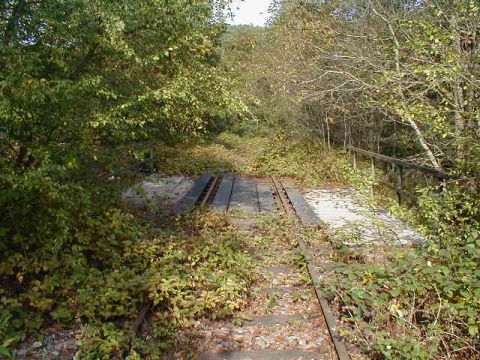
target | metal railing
x=398, y=166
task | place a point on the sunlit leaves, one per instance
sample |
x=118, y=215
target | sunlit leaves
x=76, y=77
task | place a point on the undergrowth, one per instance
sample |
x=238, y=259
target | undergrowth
x=305, y=161
x=417, y=302
x=188, y=268
x=93, y=269
x=411, y=302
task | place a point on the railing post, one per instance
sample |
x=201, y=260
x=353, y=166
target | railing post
x=399, y=183
x=152, y=160
x=373, y=175
x=385, y=167
x=393, y=167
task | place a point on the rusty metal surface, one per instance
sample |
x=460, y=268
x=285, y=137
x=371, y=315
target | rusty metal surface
x=294, y=200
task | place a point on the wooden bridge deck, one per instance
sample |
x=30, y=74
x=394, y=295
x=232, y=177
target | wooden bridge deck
x=244, y=193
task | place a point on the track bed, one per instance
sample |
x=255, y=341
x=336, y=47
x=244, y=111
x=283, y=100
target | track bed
x=286, y=317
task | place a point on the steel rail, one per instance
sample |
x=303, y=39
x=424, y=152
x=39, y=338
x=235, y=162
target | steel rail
x=290, y=210
x=211, y=189
x=282, y=196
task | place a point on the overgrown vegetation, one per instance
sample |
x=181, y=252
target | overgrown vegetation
x=195, y=268
x=417, y=303
x=395, y=77
x=306, y=161
x=409, y=303
x=86, y=88
x=89, y=87
x=398, y=78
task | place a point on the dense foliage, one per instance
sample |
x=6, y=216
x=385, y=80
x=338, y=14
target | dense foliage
x=89, y=86
x=182, y=276
x=397, y=77
x=79, y=78
x=418, y=304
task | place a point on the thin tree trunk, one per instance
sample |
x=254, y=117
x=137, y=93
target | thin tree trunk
x=408, y=119
x=328, y=132
x=323, y=135
x=459, y=93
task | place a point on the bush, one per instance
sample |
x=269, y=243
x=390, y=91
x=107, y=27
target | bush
x=425, y=303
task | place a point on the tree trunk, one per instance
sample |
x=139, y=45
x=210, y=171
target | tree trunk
x=459, y=94
x=408, y=119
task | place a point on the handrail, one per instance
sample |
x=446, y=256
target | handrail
x=402, y=163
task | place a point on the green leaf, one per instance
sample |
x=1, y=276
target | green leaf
x=5, y=352
x=473, y=330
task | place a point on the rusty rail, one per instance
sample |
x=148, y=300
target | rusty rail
x=290, y=207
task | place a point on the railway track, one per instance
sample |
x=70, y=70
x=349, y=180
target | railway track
x=282, y=198
x=248, y=194
x=293, y=204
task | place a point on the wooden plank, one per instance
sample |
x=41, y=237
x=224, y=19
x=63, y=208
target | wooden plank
x=224, y=193
x=265, y=198
x=277, y=270
x=303, y=210
x=188, y=202
x=244, y=195
x=282, y=290
x=280, y=319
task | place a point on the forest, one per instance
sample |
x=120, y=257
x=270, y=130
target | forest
x=93, y=91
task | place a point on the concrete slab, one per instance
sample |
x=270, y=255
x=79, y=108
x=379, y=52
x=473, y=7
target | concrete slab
x=166, y=189
x=342, y=211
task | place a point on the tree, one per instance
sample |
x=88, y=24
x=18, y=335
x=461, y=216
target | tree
x=399, y=77
x=77, y=78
